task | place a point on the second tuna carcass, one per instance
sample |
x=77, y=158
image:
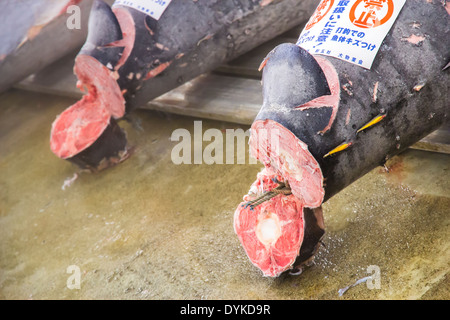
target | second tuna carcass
x=138, y=50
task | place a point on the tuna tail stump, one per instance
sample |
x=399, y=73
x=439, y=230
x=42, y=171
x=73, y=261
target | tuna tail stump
x=325, y=122
x=130, y=58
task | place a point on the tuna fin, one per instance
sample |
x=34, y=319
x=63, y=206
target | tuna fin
x=302, y=77
x=339, y=148
x=372, y=122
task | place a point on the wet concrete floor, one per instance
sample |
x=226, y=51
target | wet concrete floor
x=150, y=229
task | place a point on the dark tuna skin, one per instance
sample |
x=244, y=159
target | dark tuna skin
x=210, y=33
x=107, y=31
x=283, y=91
x=148, y=57
x=407, y=83
x=314, y=232
x=313, y=104
x=108, y=150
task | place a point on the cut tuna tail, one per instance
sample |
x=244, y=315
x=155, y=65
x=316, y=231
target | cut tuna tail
x=86, y=133
x=273, y=231
x=279, y=234
x=148, y=57
x=320, y=129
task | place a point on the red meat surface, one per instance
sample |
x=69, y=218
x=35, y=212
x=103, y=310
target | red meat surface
x=272, y=232
x=288, y=157
x=79, y=126
x=128, y=28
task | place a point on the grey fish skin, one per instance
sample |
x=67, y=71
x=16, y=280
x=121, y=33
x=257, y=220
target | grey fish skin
x=406, y=83
x=34, y=34
x=107, y=31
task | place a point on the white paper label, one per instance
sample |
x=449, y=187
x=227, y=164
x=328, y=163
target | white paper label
x=154, y=8
x=351, y=30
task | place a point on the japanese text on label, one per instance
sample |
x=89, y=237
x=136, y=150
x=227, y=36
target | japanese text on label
x=350, y=30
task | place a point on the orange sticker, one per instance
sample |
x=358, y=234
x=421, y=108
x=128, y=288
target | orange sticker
x=350, y=30
x=371, y=13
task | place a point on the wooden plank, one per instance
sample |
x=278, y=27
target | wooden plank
x=437, y=141
x=56, y=79
x=210, y=96
x=215, y=97
x=247, y=65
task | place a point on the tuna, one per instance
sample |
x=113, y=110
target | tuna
x=132, y=56
x=35, y=33
x=326, y=122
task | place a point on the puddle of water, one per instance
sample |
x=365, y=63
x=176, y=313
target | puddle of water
x=149, y=229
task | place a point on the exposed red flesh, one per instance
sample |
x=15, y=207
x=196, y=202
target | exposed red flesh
x=155, y=71
x=79, y=126
x=93, y=74
x=263, y=64
x=331, y=100
x=272, y=233
x=128, y=28
x=288, y=157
